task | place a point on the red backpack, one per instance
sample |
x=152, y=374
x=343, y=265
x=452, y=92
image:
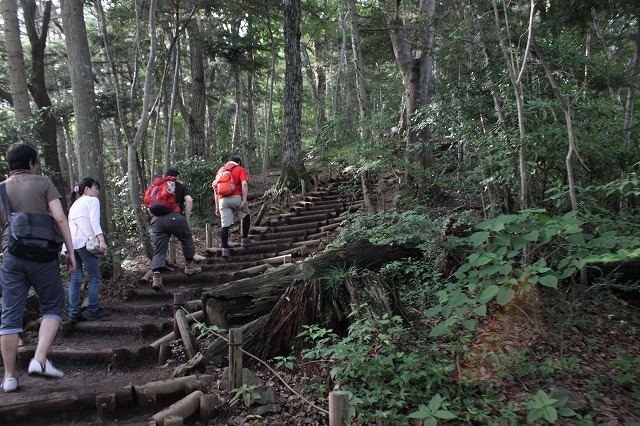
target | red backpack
x=160, y=198
x=224, y=183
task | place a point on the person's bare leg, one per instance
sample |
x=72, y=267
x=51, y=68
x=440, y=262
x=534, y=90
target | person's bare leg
x=46, y=334
x=9, y=343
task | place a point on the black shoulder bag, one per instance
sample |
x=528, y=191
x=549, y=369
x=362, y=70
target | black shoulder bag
x=32, y=236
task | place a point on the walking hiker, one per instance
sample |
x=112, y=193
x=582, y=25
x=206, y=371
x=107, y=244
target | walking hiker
x=169, y=203
x=84, y=223
x=230, y=189
x=31, y=260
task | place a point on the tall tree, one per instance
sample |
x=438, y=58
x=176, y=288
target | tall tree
x=15, y=61
x=36, y=82
x=197, y=114
x=293, y=169
x=412, y=36
x=87, y=125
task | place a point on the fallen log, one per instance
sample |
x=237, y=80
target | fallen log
x=308, y=302
x=239, y=302
x=186, y=407
x=171, y=387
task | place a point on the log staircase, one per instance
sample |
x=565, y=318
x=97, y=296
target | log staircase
x=109, y=364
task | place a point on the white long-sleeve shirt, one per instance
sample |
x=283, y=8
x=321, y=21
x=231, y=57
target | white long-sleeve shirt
x=84, y=219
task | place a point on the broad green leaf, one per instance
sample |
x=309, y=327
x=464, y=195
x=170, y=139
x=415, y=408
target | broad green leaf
x=446, y=415
x=518, y=243
x=549, y=281
x=439, y=330
x=488, y=294
x=505, y=268
x=479, y=238
x=469, y=324
x=480, y=310
x=532, y=236
x=435, y=403
x=434, y=310
x=550, y=414
x=505, y=295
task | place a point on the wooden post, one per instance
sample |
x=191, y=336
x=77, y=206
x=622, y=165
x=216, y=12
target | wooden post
x=208, y=405
x=164, y=353
x=180, y=319
x=209, y=239
x=339, y=408
x=178, y=303
x=172, y=250
x=235, y=358
x=303, y=184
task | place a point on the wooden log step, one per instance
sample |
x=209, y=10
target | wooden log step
x=279, y=260
x=322, y=217
x=252, y=272
x=324, y=207
x=290, y=234
x=312, y=226
x=145, y=329
x=296, y=252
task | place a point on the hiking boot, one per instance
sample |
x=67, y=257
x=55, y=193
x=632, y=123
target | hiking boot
x=47, y=369
x=157, y=281
x=101, y=315
x=246, y=242
x=225, y=252
x=10, y=385
x=76, y=318
x=192, y=268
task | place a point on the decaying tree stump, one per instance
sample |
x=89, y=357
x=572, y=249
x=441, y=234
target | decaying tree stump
x=240, y=302
x=318, y=291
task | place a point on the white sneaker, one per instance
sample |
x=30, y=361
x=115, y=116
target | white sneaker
x=192, y=269
x=47, y=369
x=10, y=384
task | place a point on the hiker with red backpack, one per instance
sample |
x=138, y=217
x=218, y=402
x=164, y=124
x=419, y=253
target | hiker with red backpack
x=169, y=204
x=231, y=189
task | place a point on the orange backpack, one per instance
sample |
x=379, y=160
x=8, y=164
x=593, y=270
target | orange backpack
x=224, y=183
x=160, y=198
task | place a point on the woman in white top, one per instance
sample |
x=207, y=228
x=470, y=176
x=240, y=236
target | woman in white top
x=84, y=221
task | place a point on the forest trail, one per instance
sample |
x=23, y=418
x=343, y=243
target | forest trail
x=121, y=354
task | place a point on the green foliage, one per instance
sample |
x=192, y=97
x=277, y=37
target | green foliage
x=246, y=394
x=437, y=409
x=496, y=269
x=391, y=227
x=549, y=408
x=627, y=370
x=198, y=173
x=371, y=363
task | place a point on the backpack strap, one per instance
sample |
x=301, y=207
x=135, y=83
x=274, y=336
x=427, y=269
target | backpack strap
x=5, y=201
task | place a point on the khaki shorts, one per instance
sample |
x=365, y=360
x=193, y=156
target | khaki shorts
x=229, y=205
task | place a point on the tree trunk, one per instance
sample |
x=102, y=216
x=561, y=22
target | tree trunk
x=197, y=111
x=88, y=137
x=293, y=169
x=39, y=90
x=272, y=77
x=237, y=122
x=274, y=307
x=359, y=68
x=414, y=55
x=15, y=60
x=516, y=81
